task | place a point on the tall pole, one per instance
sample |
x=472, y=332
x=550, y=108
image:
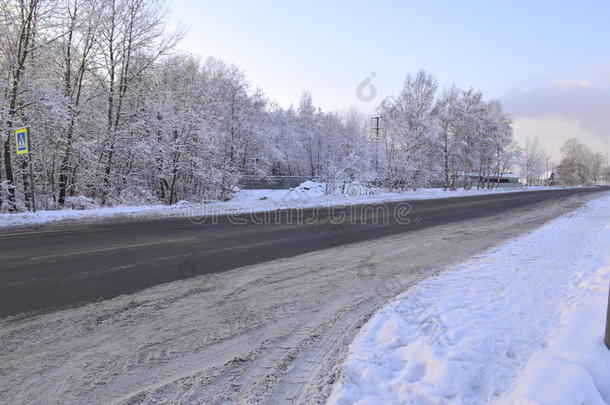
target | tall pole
x=23, y=146
x=376, y=129
x=32, y=183
x=607, y=174
x=607, y=339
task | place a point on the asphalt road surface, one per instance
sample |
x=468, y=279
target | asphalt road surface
x=45, y=270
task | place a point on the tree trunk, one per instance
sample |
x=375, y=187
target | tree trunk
x=65, y=166
x=10, y=177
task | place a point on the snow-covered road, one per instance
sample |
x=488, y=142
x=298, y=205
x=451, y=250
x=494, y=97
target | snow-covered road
x=276, y=332
x=521, y=324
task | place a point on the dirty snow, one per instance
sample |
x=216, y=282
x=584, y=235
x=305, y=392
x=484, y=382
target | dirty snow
x=273, y=333
x=522, y=324
x=308, y=194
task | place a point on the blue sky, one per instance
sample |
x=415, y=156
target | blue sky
x=506, y=49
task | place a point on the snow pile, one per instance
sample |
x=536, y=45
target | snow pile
x=303, y=193
x=312, y=186
x=307, y=195
x=521, y=324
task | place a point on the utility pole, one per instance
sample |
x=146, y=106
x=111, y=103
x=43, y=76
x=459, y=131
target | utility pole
x=376, y=129
x=607, y=339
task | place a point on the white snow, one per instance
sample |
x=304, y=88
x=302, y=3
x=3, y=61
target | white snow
x=521, y=324
x=307, y=195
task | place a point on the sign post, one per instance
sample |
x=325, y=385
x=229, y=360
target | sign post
x=23, y=147
x=607, y=339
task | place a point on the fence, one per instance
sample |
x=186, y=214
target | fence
x=251, y=182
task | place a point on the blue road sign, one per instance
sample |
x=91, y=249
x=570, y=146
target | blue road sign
x=22, y=141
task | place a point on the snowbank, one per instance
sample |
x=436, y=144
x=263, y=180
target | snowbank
x=522, y=324
x=575, y=366
x=308, y=194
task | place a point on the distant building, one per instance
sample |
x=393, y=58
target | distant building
x=506, y=178
x=551, y=179
x=548, y=178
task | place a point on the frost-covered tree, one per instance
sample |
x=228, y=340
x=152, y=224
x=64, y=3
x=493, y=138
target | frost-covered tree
x=22, y=24
x=130, y=38
x=448, y=113
x=596, y=165
x=579, y=164
x=532, y=161
x=78, y=24
x=498, y=151
x=410, y=134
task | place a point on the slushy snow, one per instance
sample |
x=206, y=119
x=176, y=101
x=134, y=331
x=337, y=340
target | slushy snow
x=522, y=324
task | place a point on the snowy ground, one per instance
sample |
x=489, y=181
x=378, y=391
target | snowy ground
x=272, y=333
x=521, y=324
x=308, y=194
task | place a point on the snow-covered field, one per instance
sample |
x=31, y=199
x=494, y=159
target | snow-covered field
x=307, y=195
x=522, y=324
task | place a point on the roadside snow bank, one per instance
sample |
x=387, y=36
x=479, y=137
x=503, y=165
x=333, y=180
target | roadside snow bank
x=308, y=194
x=575, y=366
x=521, y=324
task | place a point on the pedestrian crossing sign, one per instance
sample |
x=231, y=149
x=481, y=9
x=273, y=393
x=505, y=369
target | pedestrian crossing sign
x=22, y=141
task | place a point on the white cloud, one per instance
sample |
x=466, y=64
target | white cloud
x=553, y=132
x=559, y=111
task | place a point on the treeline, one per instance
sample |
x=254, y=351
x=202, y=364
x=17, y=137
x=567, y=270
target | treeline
x=117, y=116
